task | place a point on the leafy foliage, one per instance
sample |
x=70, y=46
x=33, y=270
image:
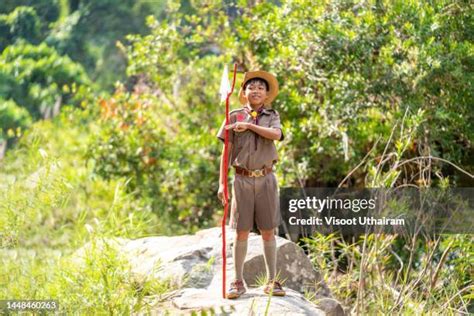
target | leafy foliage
x=12, y=119
x=347, y=72
x=21, y=24
x=90, y=31
x=37, y=78
x=138, y=141
x=364, y=88
x=47, y=10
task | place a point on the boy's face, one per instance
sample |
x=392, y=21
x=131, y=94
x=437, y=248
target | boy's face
x=256, y=93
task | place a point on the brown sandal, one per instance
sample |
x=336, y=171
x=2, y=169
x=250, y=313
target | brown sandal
x=237, y=288
x=274, y=288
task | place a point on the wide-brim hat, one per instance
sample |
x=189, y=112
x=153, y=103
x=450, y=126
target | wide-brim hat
x=268, y=77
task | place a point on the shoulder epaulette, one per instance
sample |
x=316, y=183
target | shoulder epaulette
x=236, y=110
x=272, y=110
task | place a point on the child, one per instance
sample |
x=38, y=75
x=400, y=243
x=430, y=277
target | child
x=252, y=153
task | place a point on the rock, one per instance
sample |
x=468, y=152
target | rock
x=194, y=264
x=254, y=302
x=292, y=264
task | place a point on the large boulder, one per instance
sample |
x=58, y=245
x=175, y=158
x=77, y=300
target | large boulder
x=254, y=302
x=194, y=264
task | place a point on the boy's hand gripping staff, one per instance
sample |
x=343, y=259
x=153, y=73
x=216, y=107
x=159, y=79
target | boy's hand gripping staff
x=226, y=91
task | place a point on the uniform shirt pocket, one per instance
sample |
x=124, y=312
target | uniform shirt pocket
x=240, y=139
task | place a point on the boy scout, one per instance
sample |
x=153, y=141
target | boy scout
x=252, y=153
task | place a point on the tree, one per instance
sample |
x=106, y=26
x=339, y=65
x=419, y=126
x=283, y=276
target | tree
x=21, y=24
x=90, y=30
x=39, y=79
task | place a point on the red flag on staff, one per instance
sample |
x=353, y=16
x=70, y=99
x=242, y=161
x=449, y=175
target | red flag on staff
x=226, y=91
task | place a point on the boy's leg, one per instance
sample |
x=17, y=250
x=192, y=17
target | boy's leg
x=242, y=215
x=239, y=251
x=268, y=217
x=273, y=286
x=269, y=252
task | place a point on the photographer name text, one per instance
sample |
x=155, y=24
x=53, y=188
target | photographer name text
x=334, y=221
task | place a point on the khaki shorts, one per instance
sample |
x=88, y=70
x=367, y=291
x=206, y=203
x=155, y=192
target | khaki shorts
x=255, y=199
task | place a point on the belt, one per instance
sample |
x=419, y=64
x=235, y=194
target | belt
x=253, y=173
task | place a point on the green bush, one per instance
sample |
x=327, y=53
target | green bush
x=100, y=283
x=24, y=23
x=379, y=279
x=140, y=139
x=5, y=39
x=47, y=10
x=21, y=24
x=52, y=204
x=38, y=78
x=13, y=119
x=90, y=31
x=347, y=73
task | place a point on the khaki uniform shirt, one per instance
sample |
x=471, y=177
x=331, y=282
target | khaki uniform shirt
x=250, y=150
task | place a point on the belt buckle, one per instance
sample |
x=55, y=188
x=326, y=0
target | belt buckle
x=257, y=173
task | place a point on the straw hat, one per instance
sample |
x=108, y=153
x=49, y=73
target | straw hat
x=268, y=77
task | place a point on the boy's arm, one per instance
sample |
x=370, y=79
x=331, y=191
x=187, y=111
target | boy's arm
x=267, y=132
x=222, y=170
x=222, y=178
x=273, y=133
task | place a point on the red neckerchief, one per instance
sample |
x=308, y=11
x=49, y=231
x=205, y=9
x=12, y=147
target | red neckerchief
x=255, y=114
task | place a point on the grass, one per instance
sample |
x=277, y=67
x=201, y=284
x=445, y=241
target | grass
x=100, y=284
x=394, y=274
x=389, y=284
x=52, y=205
x=262, y=280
